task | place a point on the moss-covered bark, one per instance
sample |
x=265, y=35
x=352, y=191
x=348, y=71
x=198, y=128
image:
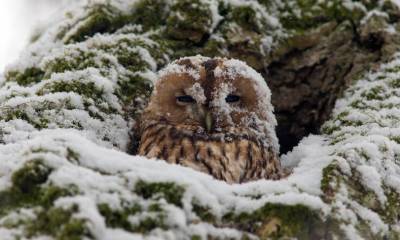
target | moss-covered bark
x=93, y=73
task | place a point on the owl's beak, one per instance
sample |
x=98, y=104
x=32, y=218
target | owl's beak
x=208, y=121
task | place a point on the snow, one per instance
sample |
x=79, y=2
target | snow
x=373, y=13
x=363, y=144
x=350, y=5
x=197, y=92
x=215, y=16
x=373, y=181
x=91, y=176
x=174, y=68
x=350, y=232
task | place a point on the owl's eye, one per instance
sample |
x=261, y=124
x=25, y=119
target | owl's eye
x=232, y=98
x=185, y=99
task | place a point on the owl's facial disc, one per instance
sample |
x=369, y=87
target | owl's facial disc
x=198, y=110
x=209, y=108
x=212, y=97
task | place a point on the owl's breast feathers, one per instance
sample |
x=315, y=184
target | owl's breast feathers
x=234, y=158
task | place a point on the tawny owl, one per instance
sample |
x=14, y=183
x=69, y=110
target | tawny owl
x=215, y=116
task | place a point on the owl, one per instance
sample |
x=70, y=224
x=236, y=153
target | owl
x=213, y=115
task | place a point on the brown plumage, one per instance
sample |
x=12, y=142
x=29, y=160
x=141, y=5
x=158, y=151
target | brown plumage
x=215, y=116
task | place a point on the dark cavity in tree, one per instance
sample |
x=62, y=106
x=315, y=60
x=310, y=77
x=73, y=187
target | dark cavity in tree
x=306, y=81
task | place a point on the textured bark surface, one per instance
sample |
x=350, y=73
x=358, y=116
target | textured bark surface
x=307, y=80
x=79, y=89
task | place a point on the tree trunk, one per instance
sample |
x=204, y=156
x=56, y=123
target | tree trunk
x=78, y=90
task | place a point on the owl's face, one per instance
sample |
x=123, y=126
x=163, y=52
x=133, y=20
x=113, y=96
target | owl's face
x=210, y=96
x=215, y=116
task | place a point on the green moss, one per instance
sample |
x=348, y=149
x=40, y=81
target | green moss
x=329, y=128
x=242, y=33
x=155, y=207
x=171, y=192
x=132, y=45
x=150, y=13
x=72, y=155
x=395, y=138
x=178, y=48
x=204, y=213
x=343, y=114
x=391, y=210
x=12, y=199
x=305, y=14
x=131, y=60
x=362, y=195
x=395, y=69
x=364, y=230
x=371, y=29
x=77, y=61
x=181, y=30
x=214, y=48
x=375, y=93
x=359, y=104
x=89, y=89
x=330, y=181
x=20, y=112
x=27, y=77
x=246, y=17
x=338, y=122
x=58, y=222
x=195, y=237
x=100, y=18
x=395, y=83
x=367, y=198
x=148, y=224
x=49, y=220
x=134, y=87
x=392, y=10
x=29, y=188
x=128, y=51
x=30, y=175
x=118, y=218
x=75, y=229
x=189, y=20
x=48, y=194
x=275, y=221
x=15, y=114
x=44, y=196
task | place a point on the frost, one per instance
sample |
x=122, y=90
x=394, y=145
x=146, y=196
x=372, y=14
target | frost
x=197, y=92
x=92, y=176
x=67, y=108
x=174, y=68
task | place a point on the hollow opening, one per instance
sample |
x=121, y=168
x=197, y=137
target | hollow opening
x=307, y=80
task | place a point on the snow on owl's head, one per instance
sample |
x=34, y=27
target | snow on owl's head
x=215, y=116
x=212, y=96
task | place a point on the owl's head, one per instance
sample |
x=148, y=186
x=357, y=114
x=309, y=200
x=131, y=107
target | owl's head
x=212, y=96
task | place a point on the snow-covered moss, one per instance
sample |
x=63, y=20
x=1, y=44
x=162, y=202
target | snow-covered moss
x=364, y=132
x=190, y=20
x=26, y=77
x=68, y=105
x=98, y=18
